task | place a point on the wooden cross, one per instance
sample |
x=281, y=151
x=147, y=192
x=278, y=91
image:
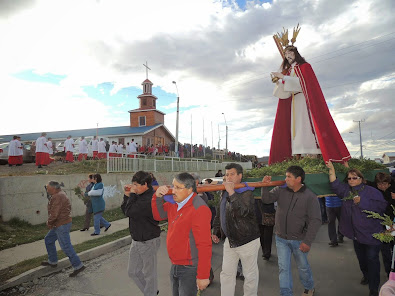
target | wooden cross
x=146, y=68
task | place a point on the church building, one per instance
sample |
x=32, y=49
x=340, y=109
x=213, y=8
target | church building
x=146, y=126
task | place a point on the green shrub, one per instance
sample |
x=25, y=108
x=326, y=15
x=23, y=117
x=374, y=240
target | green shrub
x=313, y=166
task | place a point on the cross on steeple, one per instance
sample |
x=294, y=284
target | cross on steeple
x=146, y=68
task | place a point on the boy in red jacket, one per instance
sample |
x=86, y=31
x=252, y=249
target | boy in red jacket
x=188, y=237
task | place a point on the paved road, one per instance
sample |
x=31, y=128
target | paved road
x=335, y=270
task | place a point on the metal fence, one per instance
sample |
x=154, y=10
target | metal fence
x=168, y=164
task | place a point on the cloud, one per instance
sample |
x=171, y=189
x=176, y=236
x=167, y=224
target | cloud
x=220, y=54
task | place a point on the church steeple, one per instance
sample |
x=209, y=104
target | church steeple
x=146, y=114
x=147, y=99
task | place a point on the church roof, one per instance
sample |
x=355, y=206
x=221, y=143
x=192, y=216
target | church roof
x=104, y=131
x=147, y=81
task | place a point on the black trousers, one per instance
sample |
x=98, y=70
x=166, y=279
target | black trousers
x=386, y=253
x=333, y=232
x=369, y=263
x=266, y=239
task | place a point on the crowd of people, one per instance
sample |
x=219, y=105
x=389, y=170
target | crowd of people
x=45, y=149
x=244, y=225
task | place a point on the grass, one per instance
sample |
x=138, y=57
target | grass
x=26, y=265
x=18, y=232
x=82, y=167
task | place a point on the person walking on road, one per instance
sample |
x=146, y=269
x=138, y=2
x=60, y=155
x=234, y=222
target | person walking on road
x=98, y=205
x=88, y=203
x=355, y=225
x=145, y=232
x=298, y=219
x=59, y=223
x=188, y=237
x=236, y=222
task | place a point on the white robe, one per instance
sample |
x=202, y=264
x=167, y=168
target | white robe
x=69, y=145
x=12, y=148
x=95, y=146
x=120, y=148
x=19, y=147
x=132, y=147
x=50, y=148
x=83, y=147
x=41, y=145
x=113, y=148
x=102, y=147
x=302, y=138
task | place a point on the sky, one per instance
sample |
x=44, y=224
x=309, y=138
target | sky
x=70, y=64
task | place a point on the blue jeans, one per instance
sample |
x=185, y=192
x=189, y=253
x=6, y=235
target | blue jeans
x=183, y=280
x=62, y=234
x=284, y=250
x=99, y=220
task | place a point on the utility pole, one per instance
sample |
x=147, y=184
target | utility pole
x=360, y=134
x=219, y=138
x=177, y=119
x=191, y=137
x=212, y=136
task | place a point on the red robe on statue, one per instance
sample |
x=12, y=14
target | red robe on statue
x=328, y=137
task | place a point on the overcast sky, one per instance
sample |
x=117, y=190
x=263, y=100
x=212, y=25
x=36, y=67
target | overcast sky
x=71, y=64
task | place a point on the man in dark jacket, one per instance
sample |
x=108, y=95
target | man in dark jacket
x=298, y=219
x=236, y=222
x=145, y=233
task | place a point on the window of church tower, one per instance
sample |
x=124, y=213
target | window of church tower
x=144, y=102
x=141, y=120
x=154, y=103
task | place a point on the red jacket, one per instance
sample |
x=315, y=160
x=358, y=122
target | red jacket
x=189, y=232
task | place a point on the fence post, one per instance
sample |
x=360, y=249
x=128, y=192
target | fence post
x=154, y=165
x=108, y=163
x=172, y=164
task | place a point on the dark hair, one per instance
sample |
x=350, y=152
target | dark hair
x=187, y=180
x=152, y=176
x=219, y=171
x=382, y=178
x=209, y=181
x=97, y=177
x=142, y=177
x=91, y=176
x=298, y=58
x=232, y=165
x=296, y=171
x=356, y=172
x=14, y=137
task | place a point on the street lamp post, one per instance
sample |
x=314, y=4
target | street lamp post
x=226, y=124
x=178, y=112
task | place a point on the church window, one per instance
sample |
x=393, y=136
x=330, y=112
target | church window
x=144, y=102
x=141, y=120
x=154, y=103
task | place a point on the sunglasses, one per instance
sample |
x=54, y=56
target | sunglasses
x=353, y=178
